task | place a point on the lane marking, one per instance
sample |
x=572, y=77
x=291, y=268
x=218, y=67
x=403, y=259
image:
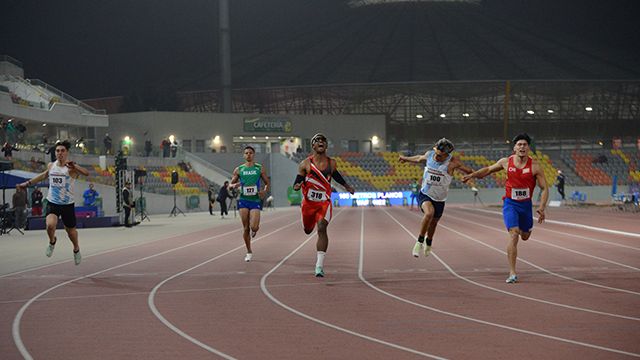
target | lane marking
x=15, y=328
x=117, y=249
x=564, y=233
x=516, y=294
x=265, y=290
x=175, y=329
x=537, y=266
x=605, y=230
x=528, y=332
x=555, y=246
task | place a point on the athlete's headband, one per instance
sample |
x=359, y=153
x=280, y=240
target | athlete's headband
x=318, y=137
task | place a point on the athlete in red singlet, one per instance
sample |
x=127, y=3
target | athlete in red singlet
x=522, y=174
x=314, y=177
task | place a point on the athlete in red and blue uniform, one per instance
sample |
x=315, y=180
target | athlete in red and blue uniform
x=522, y=174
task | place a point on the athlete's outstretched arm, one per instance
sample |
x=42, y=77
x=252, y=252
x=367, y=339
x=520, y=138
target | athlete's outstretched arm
x=413, y=159
x=542, y=183
x=302, y=172
x=479, y=174
x=43, y=175
x=460, y=166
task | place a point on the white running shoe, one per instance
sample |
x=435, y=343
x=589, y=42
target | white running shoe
x=427, y=250
x=248, y=257
x=417, y=248
x=319, y=271
x=77, y=258
x=51, y=247
x=512, y=279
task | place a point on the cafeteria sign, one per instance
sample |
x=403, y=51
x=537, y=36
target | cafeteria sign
x=267, y=124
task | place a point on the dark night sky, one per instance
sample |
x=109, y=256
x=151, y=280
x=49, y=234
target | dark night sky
x=104, y=48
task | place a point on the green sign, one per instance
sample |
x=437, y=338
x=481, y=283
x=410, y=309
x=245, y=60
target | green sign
x=271, y=124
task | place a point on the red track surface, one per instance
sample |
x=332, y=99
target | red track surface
x=193, y=297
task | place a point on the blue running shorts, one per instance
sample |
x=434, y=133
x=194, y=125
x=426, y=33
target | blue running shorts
x=518, y=214
x=245, y=204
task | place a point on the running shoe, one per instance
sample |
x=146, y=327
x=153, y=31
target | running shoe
x=427, y=250
x=51, y=247
x=77, y=258
x=248, y=257
x=417, y=249
x=253, y=234
x=319, y=271
x=512, y=279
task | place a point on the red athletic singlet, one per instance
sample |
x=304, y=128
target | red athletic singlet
x=520, y=182
x=316, y=192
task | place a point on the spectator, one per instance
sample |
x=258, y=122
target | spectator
x=148, y=147
x=20, y=207
x=90, y=196
x=560, y=183
x=165, y=146
x=8, y=150
x=36, y=202
x=212, y=198
x=223, y=195
x=107, y=144
x=174, y=148
x=127, y=203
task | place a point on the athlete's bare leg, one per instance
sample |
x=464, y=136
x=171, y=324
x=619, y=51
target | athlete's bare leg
x=244, y=216
x=323, y=240
x=254, y=221
x=73, y=236
x=432, y=228
x=512, y=249
x=52, y=223
x=428, y=209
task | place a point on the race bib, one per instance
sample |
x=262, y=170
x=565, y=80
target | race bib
x=250, y=190
x=433, y=179
x=58, y=181
x=520, y=194
x=315, y=195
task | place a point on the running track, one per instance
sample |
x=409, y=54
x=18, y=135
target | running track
x=193, y=297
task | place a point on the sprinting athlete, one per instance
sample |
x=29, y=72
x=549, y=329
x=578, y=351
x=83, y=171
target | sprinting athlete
x=522, y=174
x=438, y=172
x=249, y=177
x=62, y=176
x=314, y=177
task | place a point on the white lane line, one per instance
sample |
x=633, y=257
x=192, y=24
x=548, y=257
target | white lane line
x=167, y=323
x=265, y=290
x=556, y=246
x=537, y=266
x=15, y=329
x=604, y=230
x=515, y=294
x=528, y=332
x=581, y=237
x=114, y=249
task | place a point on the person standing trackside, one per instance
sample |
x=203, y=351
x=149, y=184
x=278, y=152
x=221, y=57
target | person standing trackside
x=211, y=195
x=223, y=194
x=90, y=195
x=19, y=202
x=522, y=174
x=560, y=183
x=62, y=176
x=127, y=203
x=36, y=202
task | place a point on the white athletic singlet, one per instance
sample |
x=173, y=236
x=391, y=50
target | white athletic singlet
x=436, y=178
x=60, y=185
